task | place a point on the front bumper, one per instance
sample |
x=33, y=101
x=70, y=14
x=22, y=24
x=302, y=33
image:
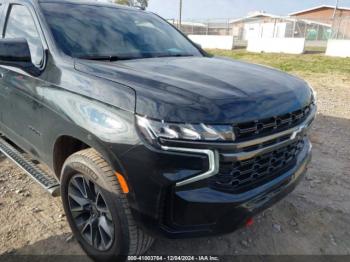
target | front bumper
x=166, y=206
x=204, y=211
x=163, y=209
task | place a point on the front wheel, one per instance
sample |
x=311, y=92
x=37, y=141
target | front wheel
x=97, y=210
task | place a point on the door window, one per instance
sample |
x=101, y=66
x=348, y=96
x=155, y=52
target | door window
x=20, y=24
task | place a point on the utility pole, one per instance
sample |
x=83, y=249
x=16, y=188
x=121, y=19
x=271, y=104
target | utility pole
x=180, y=15
x=333, y=20
x=335, y=9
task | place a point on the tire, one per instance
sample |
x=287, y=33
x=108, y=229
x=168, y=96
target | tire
x=87, y=171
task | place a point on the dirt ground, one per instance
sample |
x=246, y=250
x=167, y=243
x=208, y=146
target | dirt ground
x=314, y=219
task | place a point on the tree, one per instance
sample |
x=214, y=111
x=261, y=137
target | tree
x=140, y=3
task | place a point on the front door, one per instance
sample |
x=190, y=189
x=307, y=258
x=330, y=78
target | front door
x=22, y=117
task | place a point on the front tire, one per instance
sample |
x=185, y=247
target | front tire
x=97, y=210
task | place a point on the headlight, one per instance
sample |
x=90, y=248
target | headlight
x=190, y=132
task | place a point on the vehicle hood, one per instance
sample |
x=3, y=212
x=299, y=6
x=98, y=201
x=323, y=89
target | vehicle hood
x=203, y=89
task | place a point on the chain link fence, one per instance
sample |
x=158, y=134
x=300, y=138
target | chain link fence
x=316, y=31
x=341, y=28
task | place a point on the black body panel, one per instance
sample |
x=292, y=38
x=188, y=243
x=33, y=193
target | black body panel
x=205, y=90
x=96, y=103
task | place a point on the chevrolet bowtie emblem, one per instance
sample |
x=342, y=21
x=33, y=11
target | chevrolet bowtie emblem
x=296, y=133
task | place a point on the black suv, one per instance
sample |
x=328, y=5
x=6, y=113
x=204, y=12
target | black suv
x=145, y=133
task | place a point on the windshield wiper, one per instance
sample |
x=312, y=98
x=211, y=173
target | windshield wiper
x=174, y=55
x=110, y=58
x=181, y=55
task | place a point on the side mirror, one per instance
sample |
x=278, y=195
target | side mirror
x=15, y=52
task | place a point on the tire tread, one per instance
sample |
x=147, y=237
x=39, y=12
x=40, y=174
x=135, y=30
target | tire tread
x=140, y=242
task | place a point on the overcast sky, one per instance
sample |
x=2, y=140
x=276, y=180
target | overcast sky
x=204, y=9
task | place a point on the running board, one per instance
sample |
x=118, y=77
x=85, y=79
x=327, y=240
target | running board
x=49, y=183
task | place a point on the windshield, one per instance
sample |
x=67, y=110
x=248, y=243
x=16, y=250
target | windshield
x=107, y=32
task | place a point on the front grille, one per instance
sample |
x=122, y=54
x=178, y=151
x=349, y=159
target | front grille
x=264, y=127
x=242, y=176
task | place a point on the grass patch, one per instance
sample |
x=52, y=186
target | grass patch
x=314, y=49
x=306, y=63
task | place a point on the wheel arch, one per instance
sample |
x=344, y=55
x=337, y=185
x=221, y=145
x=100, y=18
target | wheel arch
x=66, y=145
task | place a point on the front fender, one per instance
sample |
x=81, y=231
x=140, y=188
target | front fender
x=111, y=131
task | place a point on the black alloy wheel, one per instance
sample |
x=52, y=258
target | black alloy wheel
x=90, y=212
